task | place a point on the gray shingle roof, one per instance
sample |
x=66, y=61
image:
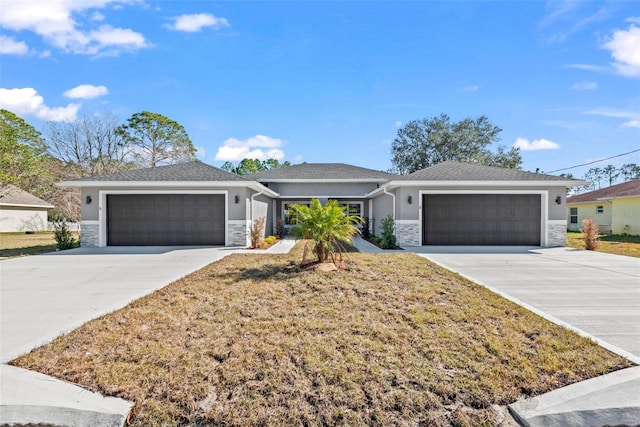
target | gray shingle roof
x=191, y=171
x=327, y=171
x=626, y=189
x=460, y=171
x=10, y=194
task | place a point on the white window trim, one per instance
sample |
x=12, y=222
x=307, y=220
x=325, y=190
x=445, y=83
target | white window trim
x=354, y=202
x=102, y=206
x=571, y=215
x=283, y=210
x=544, y=204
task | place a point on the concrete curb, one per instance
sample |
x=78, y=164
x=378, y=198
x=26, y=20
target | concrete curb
x=59, y=403
x=608, y=400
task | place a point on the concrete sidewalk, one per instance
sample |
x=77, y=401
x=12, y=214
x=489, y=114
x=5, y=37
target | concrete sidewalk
x=45, y=296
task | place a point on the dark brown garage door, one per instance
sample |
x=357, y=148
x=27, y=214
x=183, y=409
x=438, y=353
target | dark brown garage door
x=481, y=219
x=165, y=219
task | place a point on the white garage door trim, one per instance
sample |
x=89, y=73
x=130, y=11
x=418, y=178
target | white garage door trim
x=544, y=204
x=102, y=206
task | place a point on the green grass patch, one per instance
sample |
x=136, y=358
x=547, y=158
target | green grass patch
x=390, y=339
x=616, y=244
x=22, y=244
x=620, y=238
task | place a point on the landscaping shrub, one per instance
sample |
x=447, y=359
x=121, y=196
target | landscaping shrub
x=329, y=226
x=365, y=228
x=590, y=234
x=388, y=237
x=257, y=231
x=270, y=240
x=62, y=234
x=279, y=228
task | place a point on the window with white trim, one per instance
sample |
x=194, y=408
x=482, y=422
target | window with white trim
x=285, y=212
x=355, y=208
x=573, y=215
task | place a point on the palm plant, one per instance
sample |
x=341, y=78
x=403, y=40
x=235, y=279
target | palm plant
x=329, y=226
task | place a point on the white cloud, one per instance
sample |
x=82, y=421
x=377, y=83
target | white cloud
x=585, y=86
x=633, y=19
x=26, y=101
x=196, y=22
x=97, y=16
x=625, y=50
x=201, y=152
x=64, y=25
x=538, y=144
x=397, y=123
x=587, y=67
x=632, y=116
x=10, y=46
x=473, y=88
x=560, y=124
x=86, y=92
x=252, y=148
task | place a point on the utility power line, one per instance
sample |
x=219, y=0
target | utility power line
x=595, y=161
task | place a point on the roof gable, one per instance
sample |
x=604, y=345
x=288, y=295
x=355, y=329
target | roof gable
x=12, y=195
x=626, y=189
x=461, y=171
x=321, y=171
x=191, y=171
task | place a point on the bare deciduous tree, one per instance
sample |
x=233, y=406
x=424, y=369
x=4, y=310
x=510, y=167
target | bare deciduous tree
x=89, y=146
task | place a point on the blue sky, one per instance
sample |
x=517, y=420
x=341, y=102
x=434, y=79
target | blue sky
x=333, y=81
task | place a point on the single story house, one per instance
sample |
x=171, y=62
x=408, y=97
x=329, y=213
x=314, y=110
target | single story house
x=451, y=203
x=616, y=209
x=22, y=211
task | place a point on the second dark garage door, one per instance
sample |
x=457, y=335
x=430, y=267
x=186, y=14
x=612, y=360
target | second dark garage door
x=481, y=219
x=165, y=219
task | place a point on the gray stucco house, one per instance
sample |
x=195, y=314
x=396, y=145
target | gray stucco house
x=451, y=203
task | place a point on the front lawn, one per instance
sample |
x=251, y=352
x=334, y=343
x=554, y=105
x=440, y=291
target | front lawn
x=20, y=244
x=255, y=339
x=612, y=244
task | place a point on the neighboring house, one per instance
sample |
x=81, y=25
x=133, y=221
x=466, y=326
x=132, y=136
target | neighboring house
x=22, y=211
x=616, y=209
x=451, y=203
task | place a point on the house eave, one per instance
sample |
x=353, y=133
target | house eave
x=25, y=205
x=321, y=180
x=474, y=184
x=168, y=184
x=340, y=196
x=603, y=199
x=636, y=196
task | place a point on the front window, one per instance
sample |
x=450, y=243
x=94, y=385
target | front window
x=288, y=222
x=573, y=215
x=355, y=208
x=599, y=209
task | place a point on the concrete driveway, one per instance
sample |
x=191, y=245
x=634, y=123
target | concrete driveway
x=596, y=294
x=44, y=296
x=47, y=295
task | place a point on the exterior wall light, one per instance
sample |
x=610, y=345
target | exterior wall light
x=410, y=200
x=236, y=199
x=558, y=200
x=88, y=199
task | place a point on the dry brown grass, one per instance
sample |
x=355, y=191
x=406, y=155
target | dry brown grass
x=391, y=339
x=617, y=245
x=20, y=244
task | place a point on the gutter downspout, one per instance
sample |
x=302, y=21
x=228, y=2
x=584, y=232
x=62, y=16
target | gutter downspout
x=393, y=196
x=253, y=200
